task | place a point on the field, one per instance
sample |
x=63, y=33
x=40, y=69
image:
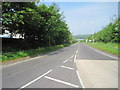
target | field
x=112, y=48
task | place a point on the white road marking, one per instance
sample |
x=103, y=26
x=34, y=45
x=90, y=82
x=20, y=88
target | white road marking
x=74, y=58
x=29, y=59
x=35, y=80
x=83, y=86
x=63, y=82
x=101, y=52
x=22, y=61
x=67, y=67
x=76, y=51
x=65, y=61
x=68, y=59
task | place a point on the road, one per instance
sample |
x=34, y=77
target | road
x=97, y=69
x=54, y=70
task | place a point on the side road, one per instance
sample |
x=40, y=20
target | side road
x=98, y=73
x=96, y=69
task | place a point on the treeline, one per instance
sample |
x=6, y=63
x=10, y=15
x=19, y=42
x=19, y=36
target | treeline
x=81, y=36
x=39, y=25
x=110, y=33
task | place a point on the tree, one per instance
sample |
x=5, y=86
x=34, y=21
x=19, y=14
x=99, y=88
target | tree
x=41, y=25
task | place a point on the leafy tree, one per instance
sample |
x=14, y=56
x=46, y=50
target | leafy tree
x=41, y=25
x=110, y=33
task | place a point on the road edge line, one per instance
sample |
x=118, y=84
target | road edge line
x=101, y=52
x=29, y=59
x=74, y=58
x=22, y=61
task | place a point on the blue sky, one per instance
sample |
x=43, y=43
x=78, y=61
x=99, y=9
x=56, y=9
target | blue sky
x=87, y=17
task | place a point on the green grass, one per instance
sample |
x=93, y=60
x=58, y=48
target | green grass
x=108, y=47
x=33, y=52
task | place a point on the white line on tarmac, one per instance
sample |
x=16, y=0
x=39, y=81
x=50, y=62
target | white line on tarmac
x=65, y=61
x=101, y=52
x=68, y=59
x=63, y=82
x=67, y=67
x=74, y=58
x=80, y=79
x=35, y=80
x=22, y=61
x=29, y=59
x=76, y=51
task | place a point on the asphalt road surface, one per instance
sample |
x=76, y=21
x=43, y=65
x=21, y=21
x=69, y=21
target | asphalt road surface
x=54, y=70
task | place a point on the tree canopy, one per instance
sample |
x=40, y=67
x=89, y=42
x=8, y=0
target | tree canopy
x=110, y=33
x=40, y=25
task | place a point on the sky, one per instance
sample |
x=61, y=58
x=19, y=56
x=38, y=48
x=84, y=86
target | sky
x=87, y=17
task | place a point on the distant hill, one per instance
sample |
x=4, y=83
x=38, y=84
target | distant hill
x=81, y=36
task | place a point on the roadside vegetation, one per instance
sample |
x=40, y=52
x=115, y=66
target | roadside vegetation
x=107, y=39
x=41, y=28
x=108, y=47
x=32, y=52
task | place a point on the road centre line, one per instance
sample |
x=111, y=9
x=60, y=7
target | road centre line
x=74, y=58
x=101, y=52
x=67, y=67
x=68, y=59
x=63, y=82
x=34, y=80
x=83, y=86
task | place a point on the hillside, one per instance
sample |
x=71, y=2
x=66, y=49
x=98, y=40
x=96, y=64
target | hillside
x=110, y=33
x=81, y=36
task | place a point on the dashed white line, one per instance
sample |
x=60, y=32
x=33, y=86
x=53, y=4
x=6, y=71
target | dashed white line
x=67, y=67
x=35, y=80
x=68, y=59
x=63, y=82
x=74, y=58
x=80, y=79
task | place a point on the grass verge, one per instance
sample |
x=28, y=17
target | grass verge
x=33, y=52
x=108, y=47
